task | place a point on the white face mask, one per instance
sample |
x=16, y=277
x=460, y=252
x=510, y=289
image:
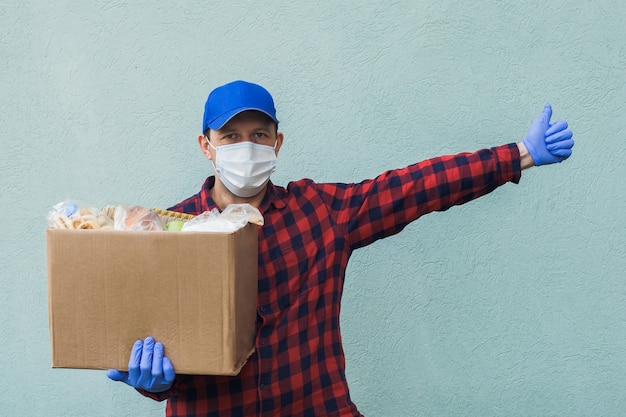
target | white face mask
x=244, y=167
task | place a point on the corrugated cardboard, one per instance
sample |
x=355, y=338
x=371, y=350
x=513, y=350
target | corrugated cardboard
x=193, y=291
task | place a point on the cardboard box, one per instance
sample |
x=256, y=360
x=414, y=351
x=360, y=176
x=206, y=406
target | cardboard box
x=194, y=291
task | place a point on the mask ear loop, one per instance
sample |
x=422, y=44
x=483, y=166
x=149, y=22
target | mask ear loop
x=274, y=146
x=215, y=149
x=209, y=142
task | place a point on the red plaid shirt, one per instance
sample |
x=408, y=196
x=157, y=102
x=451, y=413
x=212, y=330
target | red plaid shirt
x=309, y=233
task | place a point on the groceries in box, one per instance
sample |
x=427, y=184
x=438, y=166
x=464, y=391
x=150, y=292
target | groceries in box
x=71, y=214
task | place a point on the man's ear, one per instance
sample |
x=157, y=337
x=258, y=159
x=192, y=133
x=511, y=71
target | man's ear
x=279, y=141
x=203, y=142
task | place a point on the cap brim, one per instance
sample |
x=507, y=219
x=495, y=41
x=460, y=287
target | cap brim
x=220, y=121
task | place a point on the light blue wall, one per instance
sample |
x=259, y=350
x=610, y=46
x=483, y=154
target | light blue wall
x=513, y=305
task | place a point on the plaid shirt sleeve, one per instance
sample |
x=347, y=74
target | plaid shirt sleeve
x=298, y=368
x=383, y=206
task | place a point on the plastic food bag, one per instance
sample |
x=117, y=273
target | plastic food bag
x=72, y=214
x=136, y=218
x=234, y=217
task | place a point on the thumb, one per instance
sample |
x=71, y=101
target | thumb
x=547, y=114
x=168, y=370
x=116, y=375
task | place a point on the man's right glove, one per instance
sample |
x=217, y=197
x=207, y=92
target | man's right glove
x=148, y=369
x=548, y=143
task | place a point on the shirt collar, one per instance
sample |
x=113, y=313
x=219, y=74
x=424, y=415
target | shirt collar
x=272, y=196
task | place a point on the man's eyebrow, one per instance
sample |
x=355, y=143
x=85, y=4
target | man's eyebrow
x=226, y=129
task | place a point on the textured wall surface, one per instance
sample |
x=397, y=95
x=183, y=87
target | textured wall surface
x=512, y=305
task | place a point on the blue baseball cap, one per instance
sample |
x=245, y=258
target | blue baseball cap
x=227, y=101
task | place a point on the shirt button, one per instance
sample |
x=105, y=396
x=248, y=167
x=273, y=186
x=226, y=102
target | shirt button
x=263, y=386
x=262, y=342
x=262, y=309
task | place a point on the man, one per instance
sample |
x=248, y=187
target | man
x=309, y=234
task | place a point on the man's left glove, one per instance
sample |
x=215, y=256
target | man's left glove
x=148, y=369
x=548, y=143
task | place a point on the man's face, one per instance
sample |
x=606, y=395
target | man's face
x=252, y=126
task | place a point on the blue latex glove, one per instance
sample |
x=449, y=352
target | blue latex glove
x=548, y=143
x=148, y=369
